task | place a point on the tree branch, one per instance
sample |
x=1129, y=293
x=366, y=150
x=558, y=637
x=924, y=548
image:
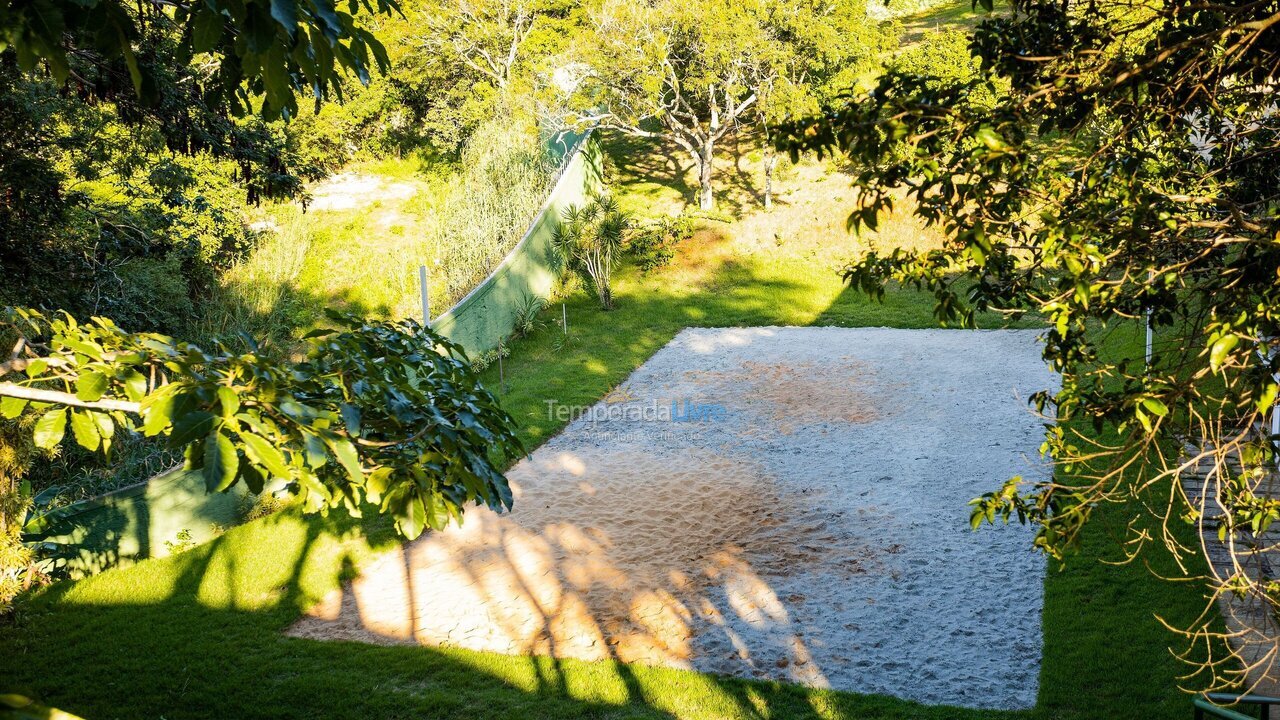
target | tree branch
x=64, y=398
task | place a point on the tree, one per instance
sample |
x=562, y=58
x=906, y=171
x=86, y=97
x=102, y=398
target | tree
x=695, y=70
x=1129, y=171
x=462, y=59
x=589, y=242
x=821, y=50
x=263, y=52
x=382, y=413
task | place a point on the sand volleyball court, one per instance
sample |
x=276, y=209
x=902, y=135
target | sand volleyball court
x=785, y=503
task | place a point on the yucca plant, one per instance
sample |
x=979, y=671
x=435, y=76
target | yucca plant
x=589, y=242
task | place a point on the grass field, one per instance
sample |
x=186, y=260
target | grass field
x=198, y=635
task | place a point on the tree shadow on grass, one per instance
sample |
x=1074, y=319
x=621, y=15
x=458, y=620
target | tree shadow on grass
x=199, y=635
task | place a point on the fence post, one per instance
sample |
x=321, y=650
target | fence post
x=426, y=299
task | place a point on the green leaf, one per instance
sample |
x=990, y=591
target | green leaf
x=347, y=456
x=285, y=12
x=376, y=485
x=91, y=386
x=36, y=367
x=11, y=407
x=206, y=30
x=265, y=454
x=220, y=462
x=350, y=418
x=1265, y=400
x=50, y=428
x=1155, y=407
x=135, y=385
x=1220, y=349
x=228, y=401
x=412, y=519
x=189, y=427
x=85, y=430
x=106, y=426
x=156, y=412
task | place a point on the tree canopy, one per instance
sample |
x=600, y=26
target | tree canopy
x=693, y=72
x=261, y=53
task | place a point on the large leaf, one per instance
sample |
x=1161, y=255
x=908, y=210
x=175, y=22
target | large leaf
x=85, y=430
x=265, y=454
x=220, y=462
x=11, y=407
x=347, y=456
x=91, y=386
x=190, y=426
x=50, y=428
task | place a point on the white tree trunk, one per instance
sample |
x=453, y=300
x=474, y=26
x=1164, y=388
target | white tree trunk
x=706, y=193
x=770, y=160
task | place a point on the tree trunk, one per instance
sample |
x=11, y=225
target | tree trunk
x=770, y=160
x=706, y=195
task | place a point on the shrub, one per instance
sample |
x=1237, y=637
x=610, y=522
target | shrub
x=526, y=315
x=654, y=246
x=589, y=241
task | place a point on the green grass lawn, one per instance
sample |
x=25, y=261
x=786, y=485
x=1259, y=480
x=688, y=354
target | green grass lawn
x=199, y=634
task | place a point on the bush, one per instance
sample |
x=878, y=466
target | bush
x=589, y=241
x=654, y=245
x=943, y=59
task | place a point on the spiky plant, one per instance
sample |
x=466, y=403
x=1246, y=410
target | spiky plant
x=589, y=241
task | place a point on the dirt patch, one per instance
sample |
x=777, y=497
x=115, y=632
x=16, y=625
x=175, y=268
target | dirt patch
x=787, y=395
x=706, y=248
x=348, y=191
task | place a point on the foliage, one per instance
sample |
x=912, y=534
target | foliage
x=504, y=177
x=589, y=242
x=181, y=543
x=384, y=413
x=102, y=216
x=942, y=61
x=526, y=315
x=20, y=707
x=1128, y=170
x=694, y=70
x=259, y=52
x=653, y=245
x=455, y=66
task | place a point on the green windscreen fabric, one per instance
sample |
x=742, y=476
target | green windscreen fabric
x=488, y=313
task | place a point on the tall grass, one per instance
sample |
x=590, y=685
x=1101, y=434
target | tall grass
x=255, y=296
x=504, y=181
x=458, y=218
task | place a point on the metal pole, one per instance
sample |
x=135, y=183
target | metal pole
x=1148, y=337
x=426, y=299
x=1151, y=274
x=502, y=376
x=564, y=319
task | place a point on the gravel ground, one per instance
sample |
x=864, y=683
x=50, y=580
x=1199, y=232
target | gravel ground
x=785, y=503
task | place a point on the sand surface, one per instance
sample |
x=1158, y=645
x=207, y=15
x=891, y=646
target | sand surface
x=801, y=516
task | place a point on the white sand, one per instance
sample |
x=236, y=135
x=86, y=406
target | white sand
x=813, y=529
x=348, y=191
